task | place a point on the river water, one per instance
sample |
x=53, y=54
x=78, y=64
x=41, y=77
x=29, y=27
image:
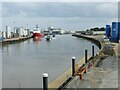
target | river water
x=24, y=63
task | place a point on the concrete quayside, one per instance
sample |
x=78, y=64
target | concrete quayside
x=104, y=73
x=60, y=80
x=103, y=65
x=14, y=40
x=67, y=77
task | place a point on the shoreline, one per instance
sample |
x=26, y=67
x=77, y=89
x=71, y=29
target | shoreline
x=63, y=79
x=57, y=83
x=97, y=42
x=14, y=40
x=104, y=73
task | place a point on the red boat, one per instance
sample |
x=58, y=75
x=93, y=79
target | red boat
x=37, y=33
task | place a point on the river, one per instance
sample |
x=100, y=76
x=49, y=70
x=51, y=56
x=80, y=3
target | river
x=24, y=63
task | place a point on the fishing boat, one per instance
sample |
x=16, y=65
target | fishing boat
x=48, y=38
x=37, y=33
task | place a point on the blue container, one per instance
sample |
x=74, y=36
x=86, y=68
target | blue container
x=108, y=31
x=115, y=31
x=119, y=30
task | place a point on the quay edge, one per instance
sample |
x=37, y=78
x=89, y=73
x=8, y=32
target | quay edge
x=70, y=78
x=14, y=40
x=96, y=70
x=97, y=42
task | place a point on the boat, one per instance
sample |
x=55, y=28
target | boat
x=53, y=35
x=37, y=33
x=48, y=38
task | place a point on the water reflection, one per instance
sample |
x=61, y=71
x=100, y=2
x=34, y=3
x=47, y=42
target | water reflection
x=36, y=39
x=28, y=60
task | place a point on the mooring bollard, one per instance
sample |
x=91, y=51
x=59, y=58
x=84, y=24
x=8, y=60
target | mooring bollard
x=93, y=51
x=85, y=56
x=73, y=66
x=45, y=81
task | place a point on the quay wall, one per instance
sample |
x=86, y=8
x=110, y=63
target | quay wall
x=97, y=42
x=15, y=40
x=62, y=81
x=96, y=59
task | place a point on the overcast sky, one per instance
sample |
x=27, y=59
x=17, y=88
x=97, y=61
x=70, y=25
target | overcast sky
x=67, y=15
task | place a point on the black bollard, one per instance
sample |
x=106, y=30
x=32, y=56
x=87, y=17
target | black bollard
x=45, y=81
x=93, y=51
x=85, y=56
x=73, y=66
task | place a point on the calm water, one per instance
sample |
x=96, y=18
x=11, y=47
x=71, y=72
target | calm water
x=25, y=62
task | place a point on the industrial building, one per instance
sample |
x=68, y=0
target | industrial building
x=15, y=33
x=52, y=30
x=8, y=32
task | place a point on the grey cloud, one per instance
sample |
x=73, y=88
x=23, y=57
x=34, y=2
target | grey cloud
x=80, y=9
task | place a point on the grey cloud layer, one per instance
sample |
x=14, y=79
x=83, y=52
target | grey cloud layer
x=79, y=9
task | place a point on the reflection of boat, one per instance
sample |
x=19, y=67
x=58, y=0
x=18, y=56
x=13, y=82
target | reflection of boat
x=48, y=38
x=36, y=39
x=37, y=32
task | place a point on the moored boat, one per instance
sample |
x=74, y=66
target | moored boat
x=37, y=33
x=48, y=38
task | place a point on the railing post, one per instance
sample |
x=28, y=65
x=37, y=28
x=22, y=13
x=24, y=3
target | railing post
x=45, y=81
x=73, y=66
x=93, y=51
x=85, y=56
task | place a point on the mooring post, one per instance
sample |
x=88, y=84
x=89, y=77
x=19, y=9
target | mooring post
x=73, y=66
x=93, y=51
x=85, y=56
x=45, y=81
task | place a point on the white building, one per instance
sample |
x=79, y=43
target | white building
x=0, y=34
x=4, y=35
x=8, y=32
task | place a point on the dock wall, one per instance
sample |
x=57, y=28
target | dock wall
x=94, y=60
x=97, y=42
x=66, y=77
x=15, y=40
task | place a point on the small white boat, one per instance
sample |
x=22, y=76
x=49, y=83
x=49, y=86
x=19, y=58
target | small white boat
x=48, y=38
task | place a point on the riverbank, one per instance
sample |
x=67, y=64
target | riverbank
x=97, y=40
x=104, y=74
x=14, y=40
x=63, y=80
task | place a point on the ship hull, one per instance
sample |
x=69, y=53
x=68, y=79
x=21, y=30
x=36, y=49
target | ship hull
x=37, y=35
